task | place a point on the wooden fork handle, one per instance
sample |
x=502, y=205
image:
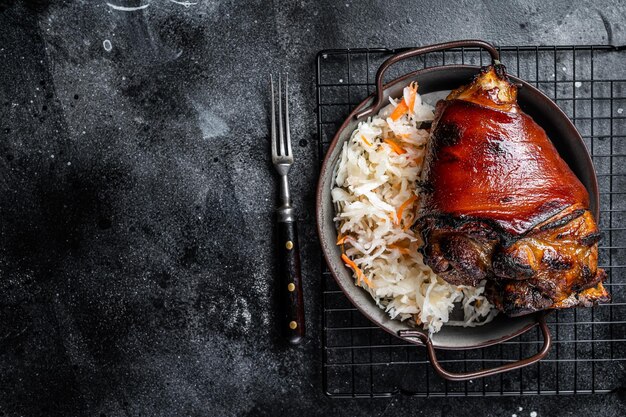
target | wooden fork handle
x=291, y=280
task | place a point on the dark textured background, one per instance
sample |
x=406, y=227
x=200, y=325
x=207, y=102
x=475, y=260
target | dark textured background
x=136, y=269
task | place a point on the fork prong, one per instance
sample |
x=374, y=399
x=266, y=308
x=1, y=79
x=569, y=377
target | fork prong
x=281, y=134
x=288, y=135
x=273, y=125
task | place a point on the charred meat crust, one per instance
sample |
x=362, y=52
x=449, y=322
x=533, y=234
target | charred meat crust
x=425, y=187
x=520, y=281
x=499, y=203
x=500, y=70
x=525, y=298
x=511, y=267
x=457, y=257
x=590, y=239
x=518, y=299
x=599, y=278
x=555, y=261
x=481, y=226
x=447, y=134
x=563, y=220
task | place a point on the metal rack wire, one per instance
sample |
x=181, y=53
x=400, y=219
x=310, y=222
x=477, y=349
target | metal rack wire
x=589, y=352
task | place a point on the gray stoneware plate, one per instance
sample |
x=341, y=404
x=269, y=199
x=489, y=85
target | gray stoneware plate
x=435, y=82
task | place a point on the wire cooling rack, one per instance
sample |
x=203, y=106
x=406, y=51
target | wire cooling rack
x=589, y=351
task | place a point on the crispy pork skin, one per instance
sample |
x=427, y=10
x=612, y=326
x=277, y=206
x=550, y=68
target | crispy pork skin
x=499, y=204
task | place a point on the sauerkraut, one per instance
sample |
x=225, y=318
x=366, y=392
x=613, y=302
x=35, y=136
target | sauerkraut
x=377, y=200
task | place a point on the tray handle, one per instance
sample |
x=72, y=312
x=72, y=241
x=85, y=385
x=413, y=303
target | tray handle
x=375, y=107
x=464, y=376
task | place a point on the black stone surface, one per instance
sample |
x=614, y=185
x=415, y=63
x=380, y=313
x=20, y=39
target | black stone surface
x=136, y=267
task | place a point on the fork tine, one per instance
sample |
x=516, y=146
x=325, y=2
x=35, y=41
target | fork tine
x=273, y=125
x=281, y=135
x=288, y=135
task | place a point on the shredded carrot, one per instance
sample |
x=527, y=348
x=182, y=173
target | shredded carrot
x=367, y=142
x=401, y=249
x=395, y=147
x=341, y=240
x=409, y=222
x=406, y=104
x=399, y=111
x=404, y=205
x=360, y=275
x=403, y=243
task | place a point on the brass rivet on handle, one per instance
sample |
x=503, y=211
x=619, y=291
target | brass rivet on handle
x=291, y=287
x=293, y=325
x=289, y=245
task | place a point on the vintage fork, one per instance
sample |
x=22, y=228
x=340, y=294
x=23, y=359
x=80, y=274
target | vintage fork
x=289, y=249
